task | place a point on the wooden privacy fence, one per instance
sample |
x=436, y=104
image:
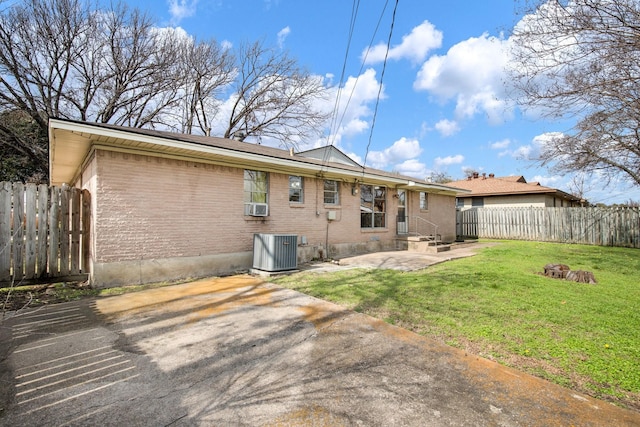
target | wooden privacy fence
x=593, y=226
x=44, y=233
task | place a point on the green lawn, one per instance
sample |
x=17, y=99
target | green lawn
x=497, y=305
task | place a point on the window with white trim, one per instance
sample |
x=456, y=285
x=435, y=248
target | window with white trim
x=373, y=206
x=296, y=189
x=424, y=201
x=331, y=192
x=256, y=188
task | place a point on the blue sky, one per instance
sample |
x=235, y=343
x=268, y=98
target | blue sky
x=444, y=103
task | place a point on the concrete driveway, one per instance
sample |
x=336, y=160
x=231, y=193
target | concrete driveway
x=239, y=351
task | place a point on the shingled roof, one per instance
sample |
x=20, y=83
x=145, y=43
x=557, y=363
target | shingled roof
x=483, y=185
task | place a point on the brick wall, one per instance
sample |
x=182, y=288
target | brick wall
x=157, y=208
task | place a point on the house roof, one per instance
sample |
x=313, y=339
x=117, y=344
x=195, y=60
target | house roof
x=503, y=186
x=72, y=142
x=329, y=154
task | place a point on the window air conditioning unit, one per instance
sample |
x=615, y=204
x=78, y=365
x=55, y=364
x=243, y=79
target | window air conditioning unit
x=258, y=209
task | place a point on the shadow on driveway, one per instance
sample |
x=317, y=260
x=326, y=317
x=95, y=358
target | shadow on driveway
x=238, y=351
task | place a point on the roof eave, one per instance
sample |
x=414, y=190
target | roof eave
x=88, y=137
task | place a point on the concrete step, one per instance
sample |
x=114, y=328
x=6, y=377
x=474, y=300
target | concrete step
x=424, y=239
x=427, y=247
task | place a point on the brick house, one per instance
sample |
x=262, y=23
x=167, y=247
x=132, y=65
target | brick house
x=510, y=191
x=167, y=206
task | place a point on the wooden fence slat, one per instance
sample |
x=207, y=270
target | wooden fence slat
x=54, y=231
x=86, y=230
x=64, y=230
x=43, y=237
x=30, y=231
x=6, y=194
x=18, y=230
x=75, y=231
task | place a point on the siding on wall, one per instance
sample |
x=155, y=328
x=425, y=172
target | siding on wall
x=152, y=208
x=512, y=200
x=523, y=200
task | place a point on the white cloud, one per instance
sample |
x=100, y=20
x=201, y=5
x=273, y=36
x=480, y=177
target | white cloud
x=413, y=167
x=471, y=73
x=524, y=152
x=548, y=181
x=415, y=46
x=353, y=106
x=226, y=45
x=449, y=160
x=401, y=150
x=180, y=9
x=532, y=151
x=500, y=145
x=447, y=127
x=282, y=36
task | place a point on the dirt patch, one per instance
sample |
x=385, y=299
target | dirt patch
x=540, y=368
x=13, y=299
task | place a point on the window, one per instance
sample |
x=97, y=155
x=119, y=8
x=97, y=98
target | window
x=295, y=189
x=256, y=188
x=424, y=201
x=477, y=202
x=331, y=193
x=459, y=202
x=373, y=204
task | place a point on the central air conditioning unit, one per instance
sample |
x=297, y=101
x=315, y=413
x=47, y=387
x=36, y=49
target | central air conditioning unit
x=275, y=252
x=258, y=209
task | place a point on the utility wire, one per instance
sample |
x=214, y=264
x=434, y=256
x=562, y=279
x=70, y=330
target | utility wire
x=334, y=114
x=335, y=123
x=364, y=60
x=384, y=66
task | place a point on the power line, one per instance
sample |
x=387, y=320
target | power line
x=364, y=60
x=334, y=123
x=384, y=66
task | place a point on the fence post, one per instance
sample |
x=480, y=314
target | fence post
x=86, y=230
x=75, y=231
x=5, y=231
x=54, y=231
x=64, y=230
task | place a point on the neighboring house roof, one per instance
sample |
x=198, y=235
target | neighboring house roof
x=484, y=186
x=72, y=142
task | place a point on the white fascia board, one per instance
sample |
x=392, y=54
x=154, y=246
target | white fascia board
x=237, y=156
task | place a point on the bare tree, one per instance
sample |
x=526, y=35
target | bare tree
x=208, y=70
x=274, y=98
x=580, y=59
x=72, y=59
x=439, y=177
x=23, y=148
x=470, y=172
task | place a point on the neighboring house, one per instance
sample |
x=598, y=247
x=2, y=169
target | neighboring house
x=167, y=206
x=510, y=191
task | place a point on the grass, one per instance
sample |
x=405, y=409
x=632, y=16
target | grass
x=497, y=305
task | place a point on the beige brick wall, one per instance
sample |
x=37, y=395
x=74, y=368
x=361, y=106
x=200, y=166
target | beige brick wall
x=440, y=211
x=151, y=208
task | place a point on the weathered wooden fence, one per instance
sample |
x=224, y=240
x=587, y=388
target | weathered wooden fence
x=44, y=233
x=593, y=226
